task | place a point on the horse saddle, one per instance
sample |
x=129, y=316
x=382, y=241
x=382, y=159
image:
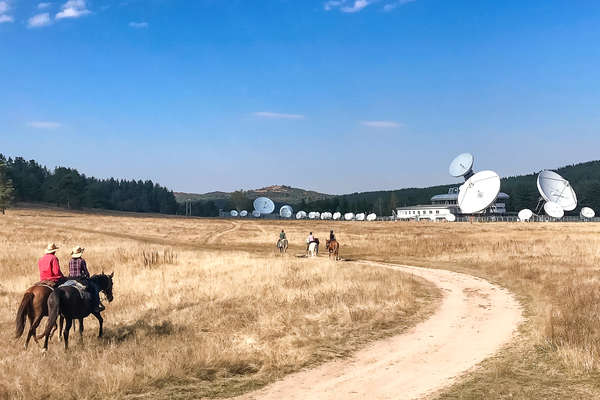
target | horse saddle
x=75, y=284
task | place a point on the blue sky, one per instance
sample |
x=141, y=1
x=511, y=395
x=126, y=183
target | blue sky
x=336, y=96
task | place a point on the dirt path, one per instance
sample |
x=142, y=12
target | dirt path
x=474, y=320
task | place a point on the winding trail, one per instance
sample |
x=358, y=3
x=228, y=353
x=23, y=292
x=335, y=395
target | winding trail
x=475, y=319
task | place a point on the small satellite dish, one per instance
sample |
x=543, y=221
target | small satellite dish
x=264, y=205
x=360, y=217
x=371, y=217
x=312, y=215
x=349, y=216
x=233, y=213
x=286, y=211
x=525, y=214
x=326, y=215
x=243, y=213
x=555, y=188
x=301, y=215
x=256, y=214
x=337, y=215
x=553, y=210
x=450, y=217
x=462, y=165
x=587, y=212
x=478, y=192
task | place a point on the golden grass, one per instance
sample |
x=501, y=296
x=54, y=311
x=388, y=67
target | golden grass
x=192, y=317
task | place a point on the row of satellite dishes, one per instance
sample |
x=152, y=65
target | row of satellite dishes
x=265, y=206
x=481, y=189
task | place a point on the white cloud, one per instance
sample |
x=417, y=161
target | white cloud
x=138, y=25
x=395, y=4
x=347, y=6
x=3, y=9
x=39, y=20
x=44, y=124
x=73, y=9
x=274, y=115
x=42, y=6
x=382, y=124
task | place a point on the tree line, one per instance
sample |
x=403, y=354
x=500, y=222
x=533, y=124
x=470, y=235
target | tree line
x=28, y=181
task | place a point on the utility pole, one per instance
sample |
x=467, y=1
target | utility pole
x=188, y=208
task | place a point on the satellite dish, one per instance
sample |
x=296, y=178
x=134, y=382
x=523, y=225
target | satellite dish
x=286, y=211
x=554, y=210
x=462, y=165
x=337, y=215
x=587, y=212
x=349, y=216
x=478, y=192
x=555, y=188
x=525, y=214
x=301, y=215
x=371, y=217
x=256, y=214
x=360, y=217
x=243, y=213
x=264, y=205
x=233, y=213
x=326, y=215
x=312, y=215
x=450, y=217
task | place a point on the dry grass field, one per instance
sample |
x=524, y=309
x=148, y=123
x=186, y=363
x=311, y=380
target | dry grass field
x=253, y=316
x=193, y=315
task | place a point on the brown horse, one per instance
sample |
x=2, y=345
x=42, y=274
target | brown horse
x=34, y=306
x=334, y=248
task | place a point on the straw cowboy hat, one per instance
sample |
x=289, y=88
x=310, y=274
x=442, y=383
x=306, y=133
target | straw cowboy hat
x=51, y=249
x=77, y=252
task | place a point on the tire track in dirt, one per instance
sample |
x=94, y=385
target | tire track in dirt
x=213, y=238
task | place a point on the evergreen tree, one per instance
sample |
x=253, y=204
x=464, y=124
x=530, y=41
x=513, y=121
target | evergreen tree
x=6, y=189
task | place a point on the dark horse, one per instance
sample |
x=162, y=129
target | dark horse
x=34, y=306
x=334, y=248
x=67, y=302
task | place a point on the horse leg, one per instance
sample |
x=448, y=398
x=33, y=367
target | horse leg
x=61, y=321
x=100, y=320
x=67, y=329
x=81, y=330
x=32, y=329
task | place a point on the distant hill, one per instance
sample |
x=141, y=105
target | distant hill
x=277, y=193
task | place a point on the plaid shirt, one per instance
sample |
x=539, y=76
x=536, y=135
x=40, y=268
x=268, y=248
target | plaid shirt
x=78, y=268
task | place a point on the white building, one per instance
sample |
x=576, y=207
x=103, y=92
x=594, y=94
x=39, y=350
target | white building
x=445, y=204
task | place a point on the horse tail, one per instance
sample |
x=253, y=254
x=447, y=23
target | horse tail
x=22, y=313
x=53, y=312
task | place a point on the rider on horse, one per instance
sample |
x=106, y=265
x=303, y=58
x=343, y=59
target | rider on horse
x=331, y=235
x=78, y=269
x=282, y=235
x=49, y=266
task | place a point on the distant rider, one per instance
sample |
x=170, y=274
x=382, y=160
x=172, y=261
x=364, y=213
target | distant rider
x=331, y=235
x=282, y=235
x=49, y=266
x=78, y=269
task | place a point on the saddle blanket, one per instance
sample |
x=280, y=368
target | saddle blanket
x=75, y=284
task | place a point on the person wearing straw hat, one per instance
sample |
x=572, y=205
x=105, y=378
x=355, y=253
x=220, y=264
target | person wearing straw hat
x=49, y=266
x=78, y=269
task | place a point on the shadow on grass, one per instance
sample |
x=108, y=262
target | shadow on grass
x=138, y=329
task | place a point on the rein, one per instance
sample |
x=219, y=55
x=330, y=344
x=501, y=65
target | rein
x=44, y=285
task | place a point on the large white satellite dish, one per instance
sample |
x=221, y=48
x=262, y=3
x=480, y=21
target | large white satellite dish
x=286, y=211
x=371, y=217
x=349, y=216
x=555, y=188
x=478, y=192
x=243, y=213
x=587, y=212
x=450, y=217
x=337, y=215
x=525, y=214
x=233, y=213
x=312, y=215
x=553, y=210
x=301, y=215
x=264, y=205
x=360, y=217
x=462, y=165
x=256, y=214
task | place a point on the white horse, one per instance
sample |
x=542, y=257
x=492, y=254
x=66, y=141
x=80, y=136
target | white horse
x=313, y=249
